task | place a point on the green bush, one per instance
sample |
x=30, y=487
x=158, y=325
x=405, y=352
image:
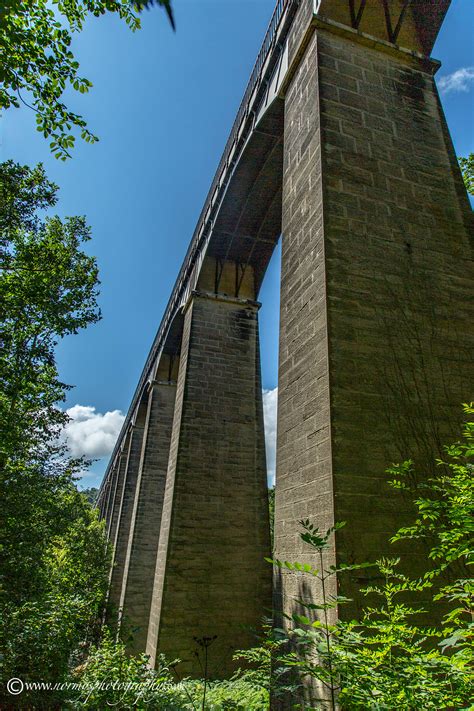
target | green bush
x=136, y=685
x=385, y=661
x=47, y=624
x=141, y=688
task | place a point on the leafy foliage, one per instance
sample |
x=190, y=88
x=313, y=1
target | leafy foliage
x=53, y=556
x=386, y=660
x=227, y=695
x=260, y=675
x=139, y=687
x=48, y=289
x=51, y=602
x=383, y=661
x=37, y=64
x=445, y=518
x=166, y=4
x=314, y=638
x=91, y=494
x=467, y=168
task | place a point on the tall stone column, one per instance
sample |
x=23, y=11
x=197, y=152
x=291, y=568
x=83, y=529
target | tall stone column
x=138, y=579
x=124, y=519
x=121, y=470
x=102, y=502
x=110, y=495
x=211, y=578
x=106, y=501
x=376, y=316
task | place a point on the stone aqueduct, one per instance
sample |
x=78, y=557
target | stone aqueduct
x=340, y=145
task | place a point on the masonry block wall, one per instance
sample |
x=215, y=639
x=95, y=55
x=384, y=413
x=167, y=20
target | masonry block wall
x=122, y=534
x=399, y=259
x=142, y=548
x=211, y=578
x=109, y=497
x=304, y=476
x=376, y=319
x=117, y=500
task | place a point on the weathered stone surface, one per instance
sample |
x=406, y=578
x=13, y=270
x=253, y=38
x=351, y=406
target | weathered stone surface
x=139, y=569
x=111, y=491
x=124, y=520
x=376, y=318
x=115, y=513
x=304, y=459
x=211, y=577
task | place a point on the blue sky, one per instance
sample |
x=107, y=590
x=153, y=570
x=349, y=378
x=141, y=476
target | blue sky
x=162, y=105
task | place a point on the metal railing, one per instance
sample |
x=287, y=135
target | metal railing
x=282, y=15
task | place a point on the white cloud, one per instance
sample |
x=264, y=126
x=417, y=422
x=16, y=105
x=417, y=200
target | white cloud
x=270, y=402
x=460, y=80
x=92, y=433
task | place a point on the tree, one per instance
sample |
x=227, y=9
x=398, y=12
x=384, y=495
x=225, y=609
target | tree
x=467, y=169
x=53, y=553
x=166, y=4
x=90, y=494
x=48, y=289
x=37, y=64
x=51, y=608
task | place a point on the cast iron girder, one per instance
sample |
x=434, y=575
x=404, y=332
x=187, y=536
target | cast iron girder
x=356, y=17
x=392, y=32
